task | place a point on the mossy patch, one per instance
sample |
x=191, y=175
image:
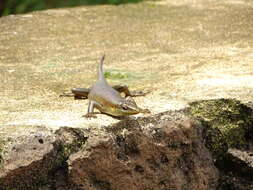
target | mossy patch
x=3, y=144
x=113, y=74
x=1, y=150
x=122, y=75
x=74, y=143
x=228, y=121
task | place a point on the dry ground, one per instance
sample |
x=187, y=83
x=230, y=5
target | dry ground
x=181, y=51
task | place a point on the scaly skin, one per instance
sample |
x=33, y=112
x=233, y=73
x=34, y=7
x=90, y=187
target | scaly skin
x=107, y=100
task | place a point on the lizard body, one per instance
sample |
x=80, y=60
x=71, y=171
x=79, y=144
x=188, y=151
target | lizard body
x=82, y=93
x=108, y=100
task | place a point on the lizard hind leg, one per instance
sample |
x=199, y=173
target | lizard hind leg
x=124, y=89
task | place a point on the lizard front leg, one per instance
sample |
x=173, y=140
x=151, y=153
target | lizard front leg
x=90, y=111
x=91, y=106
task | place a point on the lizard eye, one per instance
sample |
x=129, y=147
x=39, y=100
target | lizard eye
x=124, y=107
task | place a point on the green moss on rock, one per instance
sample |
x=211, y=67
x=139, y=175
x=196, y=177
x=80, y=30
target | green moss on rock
x=3, y=143
x=228, y=122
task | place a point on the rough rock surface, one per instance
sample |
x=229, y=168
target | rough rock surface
x=229, y=123
x=166, y=155
x=242, y=161
x=32, y=161
x=159, y=152
x=228, y=126
x=237, y=169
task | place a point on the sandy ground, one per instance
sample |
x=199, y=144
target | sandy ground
x=184, y=51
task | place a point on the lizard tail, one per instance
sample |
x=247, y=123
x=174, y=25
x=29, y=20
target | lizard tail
x=100, y=69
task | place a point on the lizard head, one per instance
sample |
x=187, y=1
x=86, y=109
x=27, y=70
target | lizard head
x=129, y=107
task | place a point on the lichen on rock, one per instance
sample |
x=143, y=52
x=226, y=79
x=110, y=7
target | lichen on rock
x=227, y=123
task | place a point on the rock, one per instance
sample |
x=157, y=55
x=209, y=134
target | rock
x=29, y=162
x=237, y=170
x=240, y=161
x=228, y=123
x=228, y=126
x=147, y=153
x=234, y=182
x=165, y=151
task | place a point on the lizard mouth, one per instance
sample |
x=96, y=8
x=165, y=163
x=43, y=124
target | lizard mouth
x=144, y=110
x=135, y=110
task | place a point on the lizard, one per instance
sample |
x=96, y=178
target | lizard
x=108, y=99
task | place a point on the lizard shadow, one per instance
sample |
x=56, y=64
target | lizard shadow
x=117, y=117
x=114, y=117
